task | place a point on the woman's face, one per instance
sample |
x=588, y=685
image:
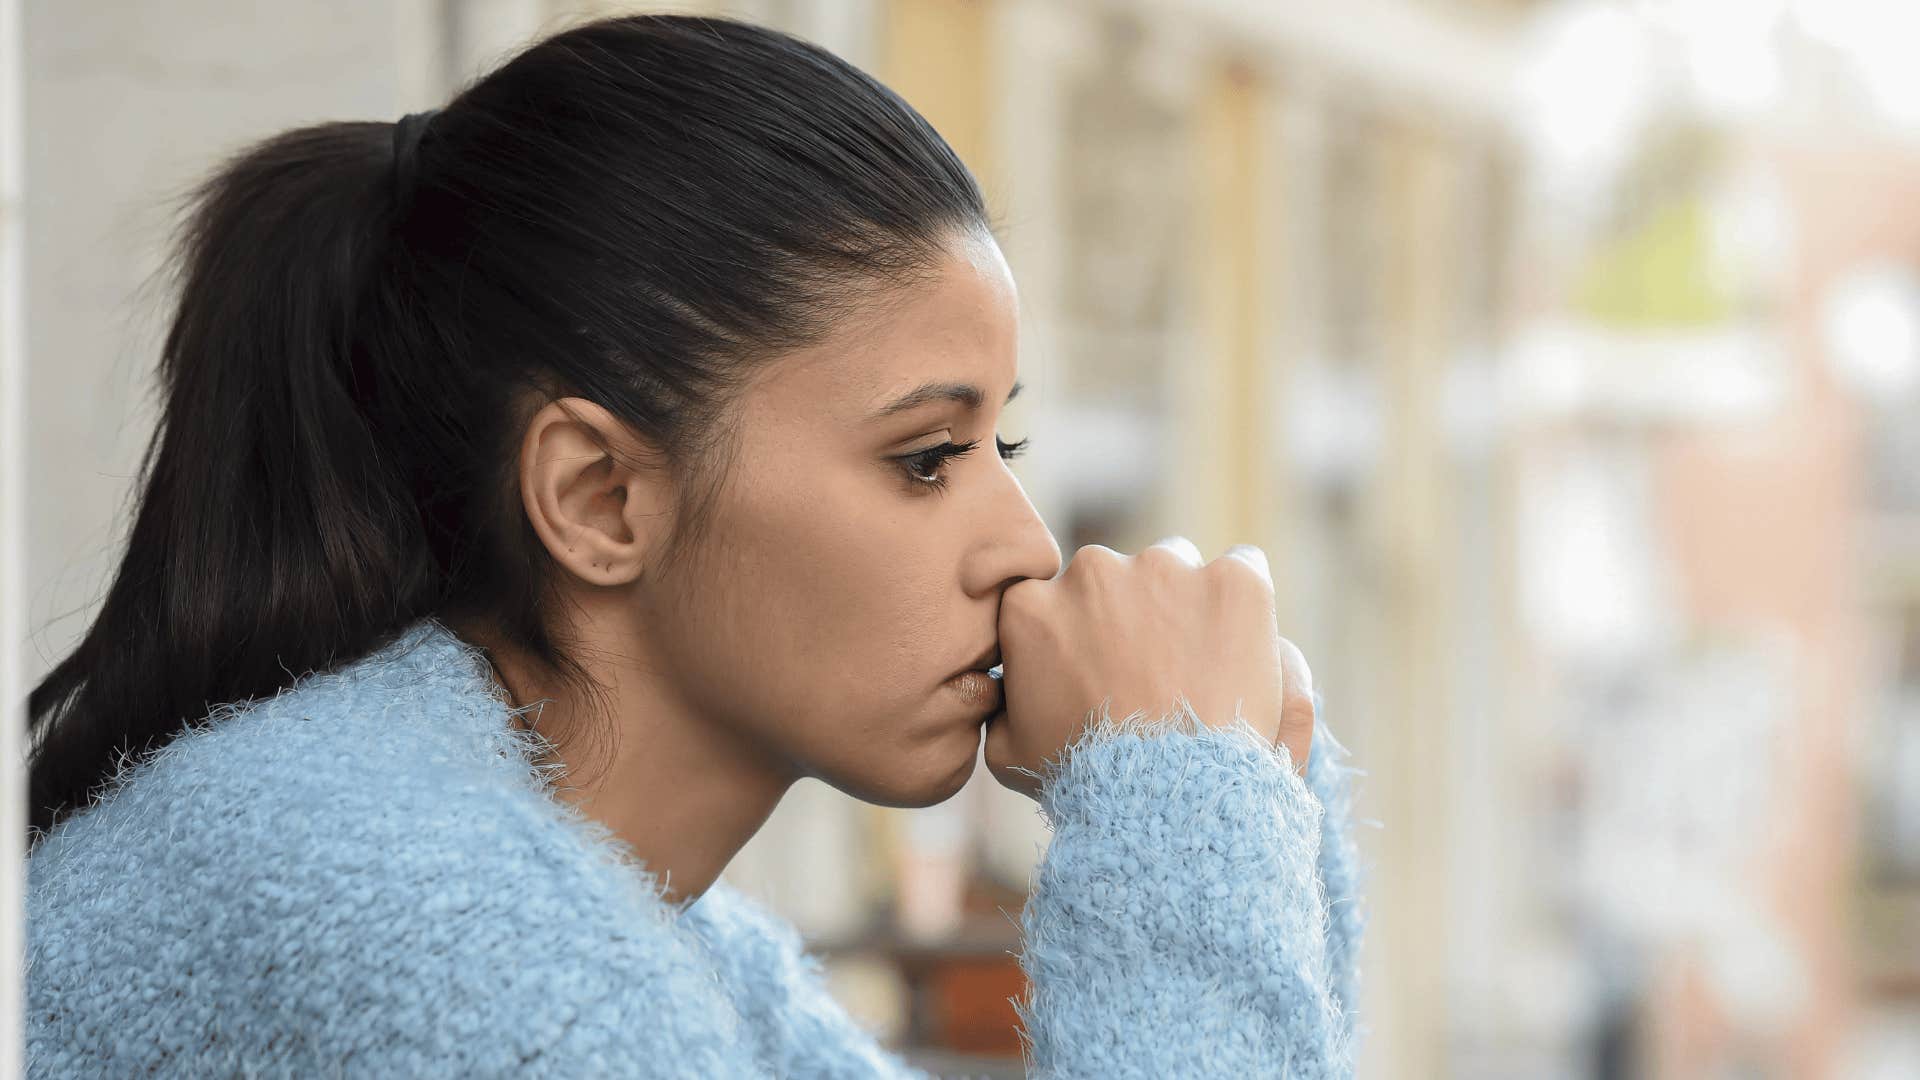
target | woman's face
x=839, y=591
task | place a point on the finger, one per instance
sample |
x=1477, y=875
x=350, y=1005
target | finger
x=1189, y=552
x=1253, y=556
x=991, y=748
x=1296, y=704
x=997, y=751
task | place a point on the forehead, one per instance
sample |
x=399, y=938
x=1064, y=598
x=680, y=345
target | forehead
x=961, y=323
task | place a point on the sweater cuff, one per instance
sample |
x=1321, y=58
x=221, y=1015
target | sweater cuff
x=1186, y=836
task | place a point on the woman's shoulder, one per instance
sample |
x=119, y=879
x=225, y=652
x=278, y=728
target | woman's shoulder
x=356, y=846
x=360, y=753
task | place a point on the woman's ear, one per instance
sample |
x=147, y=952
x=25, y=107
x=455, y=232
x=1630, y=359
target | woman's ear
x=599, y=497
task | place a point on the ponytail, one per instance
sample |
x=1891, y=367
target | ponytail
x=269, y=535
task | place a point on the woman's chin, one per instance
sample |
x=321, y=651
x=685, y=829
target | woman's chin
x=937, y=774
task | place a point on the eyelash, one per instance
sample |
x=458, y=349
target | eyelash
x=918, y=465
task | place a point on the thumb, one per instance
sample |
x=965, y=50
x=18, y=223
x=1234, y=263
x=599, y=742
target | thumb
x=1296, y=705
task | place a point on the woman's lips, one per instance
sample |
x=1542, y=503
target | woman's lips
x=980, y=689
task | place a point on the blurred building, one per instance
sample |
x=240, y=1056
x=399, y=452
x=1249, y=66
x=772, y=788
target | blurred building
x=1565, y=357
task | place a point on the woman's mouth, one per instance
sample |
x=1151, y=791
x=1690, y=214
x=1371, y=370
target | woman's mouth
x=979, y=688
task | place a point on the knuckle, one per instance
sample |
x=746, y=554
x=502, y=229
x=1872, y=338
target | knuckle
x=1095, y=559
x=1162, y=558
x=1237, y=570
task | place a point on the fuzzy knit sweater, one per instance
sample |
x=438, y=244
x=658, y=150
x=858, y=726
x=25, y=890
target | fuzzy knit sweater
x=368, y=875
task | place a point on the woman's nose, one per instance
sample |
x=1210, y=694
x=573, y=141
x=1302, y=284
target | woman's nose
x=1023, y=546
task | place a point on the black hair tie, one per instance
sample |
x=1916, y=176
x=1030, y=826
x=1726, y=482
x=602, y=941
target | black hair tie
x=407, y=133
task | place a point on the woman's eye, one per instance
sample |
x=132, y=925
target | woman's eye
x=927, y=468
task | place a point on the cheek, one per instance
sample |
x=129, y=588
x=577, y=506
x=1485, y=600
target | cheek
x=840, y=594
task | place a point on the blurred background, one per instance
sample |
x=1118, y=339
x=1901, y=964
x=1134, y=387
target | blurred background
x=1565, y=356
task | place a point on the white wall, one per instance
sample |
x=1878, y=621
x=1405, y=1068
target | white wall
x=13, y=475
x=127, y=103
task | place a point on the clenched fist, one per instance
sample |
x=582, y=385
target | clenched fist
x=1136, y=632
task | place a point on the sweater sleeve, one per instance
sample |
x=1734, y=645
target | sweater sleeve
x=1341, y=873
x=1178, y=923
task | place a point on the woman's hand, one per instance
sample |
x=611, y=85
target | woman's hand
x=1140, y=630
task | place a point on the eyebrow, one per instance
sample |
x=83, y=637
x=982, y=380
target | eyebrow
x=965, y=393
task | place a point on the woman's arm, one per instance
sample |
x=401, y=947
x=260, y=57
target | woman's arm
x=1214, y=842
x=1178, y=924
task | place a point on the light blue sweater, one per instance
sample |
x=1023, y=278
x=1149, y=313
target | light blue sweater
x=366, y=875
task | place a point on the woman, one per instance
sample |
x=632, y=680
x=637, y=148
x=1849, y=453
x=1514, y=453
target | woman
x=545, y=484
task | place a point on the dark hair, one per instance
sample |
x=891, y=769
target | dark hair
x=636, y=211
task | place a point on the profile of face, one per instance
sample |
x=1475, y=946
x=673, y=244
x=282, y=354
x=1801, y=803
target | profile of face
x=848, y=573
